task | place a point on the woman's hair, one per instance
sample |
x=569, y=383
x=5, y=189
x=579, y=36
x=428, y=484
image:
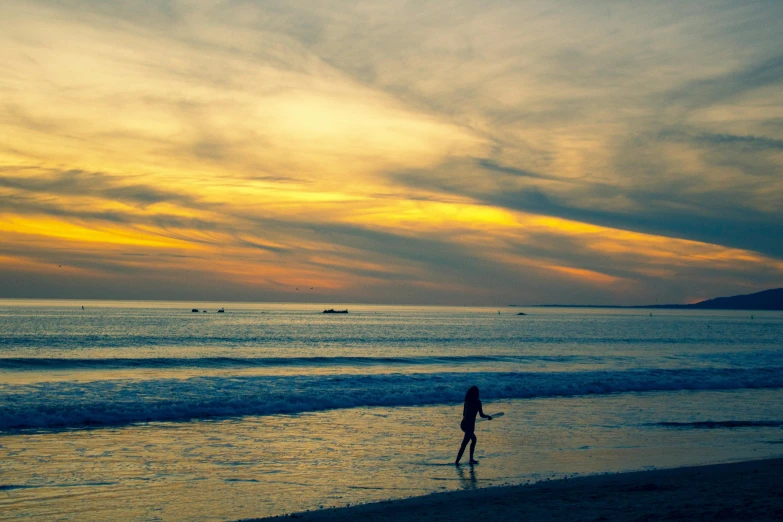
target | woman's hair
x=473, y=394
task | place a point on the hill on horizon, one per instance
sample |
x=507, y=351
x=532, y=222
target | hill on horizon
x=771, y=299
x=765, y=300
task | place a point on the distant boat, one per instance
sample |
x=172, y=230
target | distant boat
x=333, y=311
x=221, y=311
x=195, y=310
x=521, y=313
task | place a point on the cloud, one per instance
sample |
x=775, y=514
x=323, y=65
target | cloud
x=92, y=184
x=754, y=143
x=710, y=216
x=490, y=165
x=437, y=152
x=730, y=85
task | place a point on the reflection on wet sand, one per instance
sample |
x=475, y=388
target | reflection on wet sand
x=467, y=480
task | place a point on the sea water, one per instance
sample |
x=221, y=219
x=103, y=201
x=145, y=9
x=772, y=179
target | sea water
x=148, y=411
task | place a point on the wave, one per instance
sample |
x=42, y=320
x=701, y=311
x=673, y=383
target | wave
x=711, y=425
x=72, y=341
x=67, y=363
x=76, y=404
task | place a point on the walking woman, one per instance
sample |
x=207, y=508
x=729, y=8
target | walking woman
x=468, y=425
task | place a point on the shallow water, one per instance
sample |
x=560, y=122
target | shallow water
x=254, y=466
x=268, y=409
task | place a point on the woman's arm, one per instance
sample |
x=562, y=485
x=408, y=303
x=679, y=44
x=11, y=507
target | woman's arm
x=481, y=412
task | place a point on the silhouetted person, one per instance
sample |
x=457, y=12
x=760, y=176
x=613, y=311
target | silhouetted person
x=468, y=425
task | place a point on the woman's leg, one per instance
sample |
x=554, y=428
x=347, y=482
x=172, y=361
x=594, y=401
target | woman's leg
x=465, y=440
x=472, y=447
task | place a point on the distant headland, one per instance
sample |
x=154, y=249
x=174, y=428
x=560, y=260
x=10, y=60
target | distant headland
x=766, y=300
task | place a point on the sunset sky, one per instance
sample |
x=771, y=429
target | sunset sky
x=444, y=152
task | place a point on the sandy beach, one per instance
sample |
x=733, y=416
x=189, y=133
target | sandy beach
x=738, y=491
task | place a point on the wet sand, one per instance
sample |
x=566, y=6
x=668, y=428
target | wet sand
x=741, y=491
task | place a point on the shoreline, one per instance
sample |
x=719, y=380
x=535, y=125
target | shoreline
x=739, y=491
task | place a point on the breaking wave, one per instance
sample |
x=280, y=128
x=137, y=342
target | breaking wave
x=76, y=404
x=711, y=425
x=68, y=363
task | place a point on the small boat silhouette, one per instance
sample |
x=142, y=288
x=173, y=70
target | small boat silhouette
x=333, y=311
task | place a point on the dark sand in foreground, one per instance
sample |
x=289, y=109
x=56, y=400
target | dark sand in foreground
x=744, y=491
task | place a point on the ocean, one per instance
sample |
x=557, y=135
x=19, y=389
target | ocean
x=148, y=411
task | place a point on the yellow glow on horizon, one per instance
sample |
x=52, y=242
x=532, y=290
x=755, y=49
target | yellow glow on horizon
x=585, y=275
x=411, y=214
x=59, y=229
x=659, y=249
